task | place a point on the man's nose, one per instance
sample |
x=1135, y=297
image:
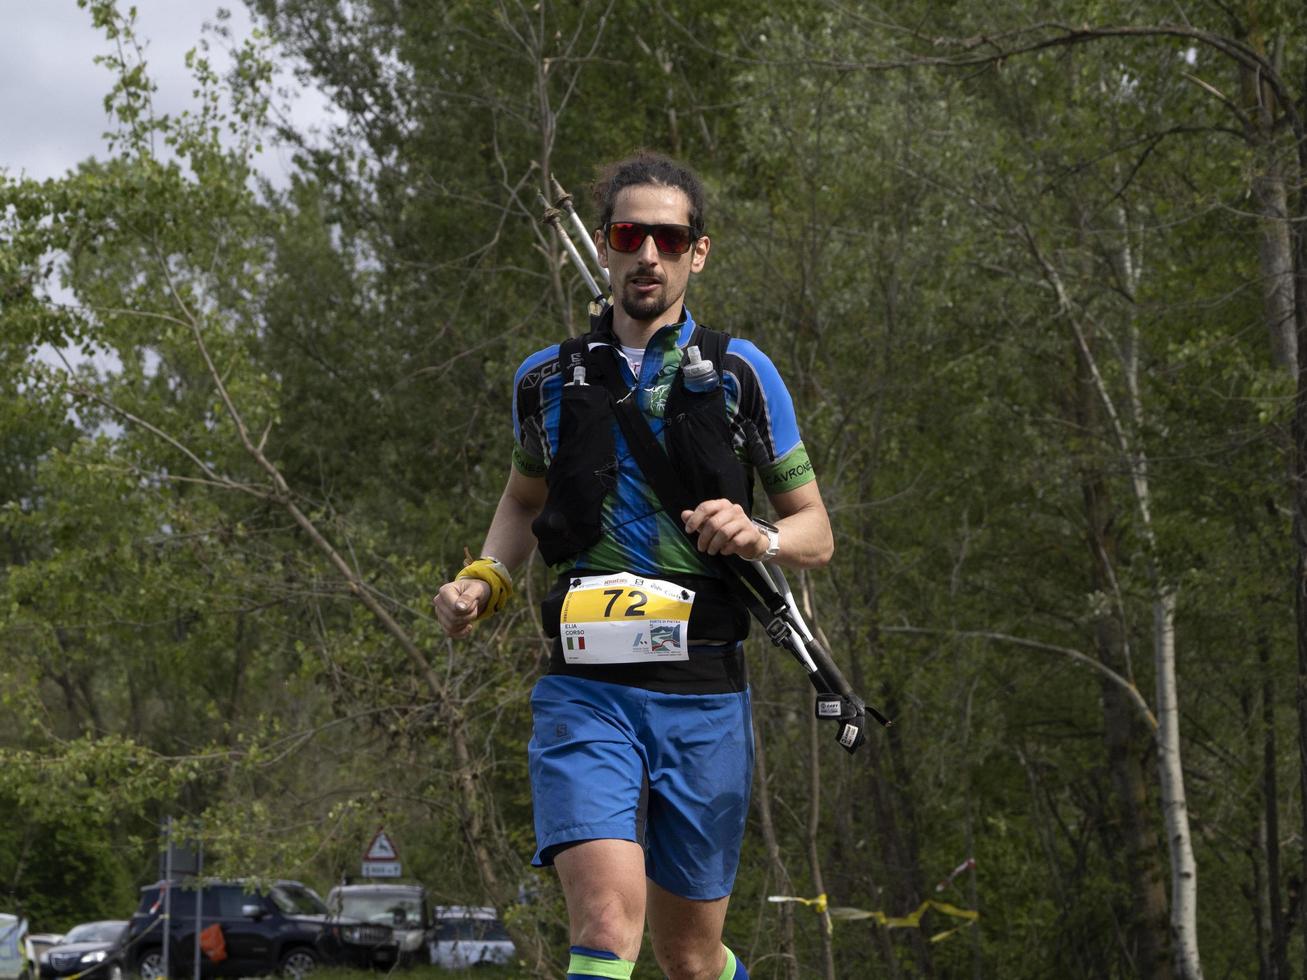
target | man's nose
x=647, y=253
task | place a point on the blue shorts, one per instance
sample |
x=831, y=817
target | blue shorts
x=671, y=772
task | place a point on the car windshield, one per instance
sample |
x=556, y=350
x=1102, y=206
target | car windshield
x=297, y=900
x=94, y=932
x=481, y=929
x=388, y=907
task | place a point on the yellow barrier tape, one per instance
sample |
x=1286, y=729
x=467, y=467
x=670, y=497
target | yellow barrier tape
x=948, y=932
x=818, y=903
x=910, y=921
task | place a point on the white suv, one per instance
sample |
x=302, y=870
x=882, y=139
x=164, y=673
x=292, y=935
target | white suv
x=469, y=935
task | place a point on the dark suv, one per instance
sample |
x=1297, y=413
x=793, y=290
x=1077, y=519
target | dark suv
x=281, y=930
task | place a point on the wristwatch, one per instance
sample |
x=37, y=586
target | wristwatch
x=773, y=538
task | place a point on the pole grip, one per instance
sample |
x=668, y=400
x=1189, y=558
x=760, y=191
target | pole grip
x=551, y=218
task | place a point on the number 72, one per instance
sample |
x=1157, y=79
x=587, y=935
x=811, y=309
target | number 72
x=636, y=608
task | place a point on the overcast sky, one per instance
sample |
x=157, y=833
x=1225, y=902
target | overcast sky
x=52, y=92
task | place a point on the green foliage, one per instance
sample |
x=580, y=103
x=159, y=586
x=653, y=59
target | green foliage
x=278, y=402
x=62, y=867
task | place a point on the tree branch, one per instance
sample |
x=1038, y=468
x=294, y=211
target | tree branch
x=1079, y=657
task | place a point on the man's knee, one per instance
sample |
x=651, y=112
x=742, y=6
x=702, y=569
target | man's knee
x=689, y=957
x=609, y=920
x=605, y=888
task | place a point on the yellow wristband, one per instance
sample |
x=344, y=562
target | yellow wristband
x=493, y=572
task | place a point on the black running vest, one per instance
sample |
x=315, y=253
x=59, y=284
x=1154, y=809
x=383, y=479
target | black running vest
x=583, y=470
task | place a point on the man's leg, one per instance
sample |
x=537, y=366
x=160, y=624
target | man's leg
x=604, y=884
x=701, y=765
x=687, y=937
x=589, y=787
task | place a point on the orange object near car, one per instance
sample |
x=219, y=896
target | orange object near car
x=213, y=944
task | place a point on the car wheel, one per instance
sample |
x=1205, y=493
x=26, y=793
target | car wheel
x=150, y=965
x=298, y=963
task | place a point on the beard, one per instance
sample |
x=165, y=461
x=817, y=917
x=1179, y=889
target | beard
x=643, y=308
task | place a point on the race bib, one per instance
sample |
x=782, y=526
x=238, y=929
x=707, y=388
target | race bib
x=625, y=619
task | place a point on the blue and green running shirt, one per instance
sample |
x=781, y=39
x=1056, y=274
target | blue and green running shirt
x=638, y=537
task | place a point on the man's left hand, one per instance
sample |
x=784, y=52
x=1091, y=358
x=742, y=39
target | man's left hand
x=725, y=529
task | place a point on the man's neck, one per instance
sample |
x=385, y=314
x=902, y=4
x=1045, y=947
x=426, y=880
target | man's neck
x=637, y=333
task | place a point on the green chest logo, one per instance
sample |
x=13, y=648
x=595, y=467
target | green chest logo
x=656, y=399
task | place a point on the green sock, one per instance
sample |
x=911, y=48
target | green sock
x=586, y=964
x=734, y=969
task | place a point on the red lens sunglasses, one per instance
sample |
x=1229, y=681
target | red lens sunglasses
x=628, y=236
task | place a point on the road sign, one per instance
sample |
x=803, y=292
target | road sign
x=381, y=860
x=381, y=849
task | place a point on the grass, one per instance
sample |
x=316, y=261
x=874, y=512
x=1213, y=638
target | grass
x=419, y=973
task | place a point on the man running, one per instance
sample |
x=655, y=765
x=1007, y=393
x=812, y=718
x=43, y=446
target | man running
x=641, y=756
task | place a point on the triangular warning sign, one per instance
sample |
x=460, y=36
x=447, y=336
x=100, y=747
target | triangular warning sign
x=381, y=849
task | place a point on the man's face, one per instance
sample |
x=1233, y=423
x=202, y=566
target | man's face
x=648, y=283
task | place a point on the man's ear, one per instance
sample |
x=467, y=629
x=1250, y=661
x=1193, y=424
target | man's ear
x=699, y=254
x=601, y=246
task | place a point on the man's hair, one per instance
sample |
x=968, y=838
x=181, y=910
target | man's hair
x=648, y=167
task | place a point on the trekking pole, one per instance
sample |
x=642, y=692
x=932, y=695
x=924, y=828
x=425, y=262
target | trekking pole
x=552, y=217
x=564, y=204
x=835, y=697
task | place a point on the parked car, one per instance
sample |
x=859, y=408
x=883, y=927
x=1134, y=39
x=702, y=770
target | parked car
x=283, y=930
x=39, y=942
x=470, y=935
x=404, y=908
x=13, y=948
x=93, y=949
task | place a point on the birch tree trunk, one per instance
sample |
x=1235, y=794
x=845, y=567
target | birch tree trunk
x=1184, y=869
x=1127, y=738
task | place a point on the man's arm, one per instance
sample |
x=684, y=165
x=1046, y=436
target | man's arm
x=509, y=540
x=806, y=537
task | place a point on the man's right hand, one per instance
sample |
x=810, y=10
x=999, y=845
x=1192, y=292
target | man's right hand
x=458, y=604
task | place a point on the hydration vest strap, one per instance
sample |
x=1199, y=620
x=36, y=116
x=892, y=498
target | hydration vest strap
x=763, y=600
x=711, y=344
x=572, y=352
x=747, y=582
x=667, y=486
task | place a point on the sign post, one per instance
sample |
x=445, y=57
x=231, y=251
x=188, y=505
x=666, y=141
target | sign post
x=381, y=860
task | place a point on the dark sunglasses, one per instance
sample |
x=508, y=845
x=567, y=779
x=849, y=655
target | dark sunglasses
x=628, y=236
